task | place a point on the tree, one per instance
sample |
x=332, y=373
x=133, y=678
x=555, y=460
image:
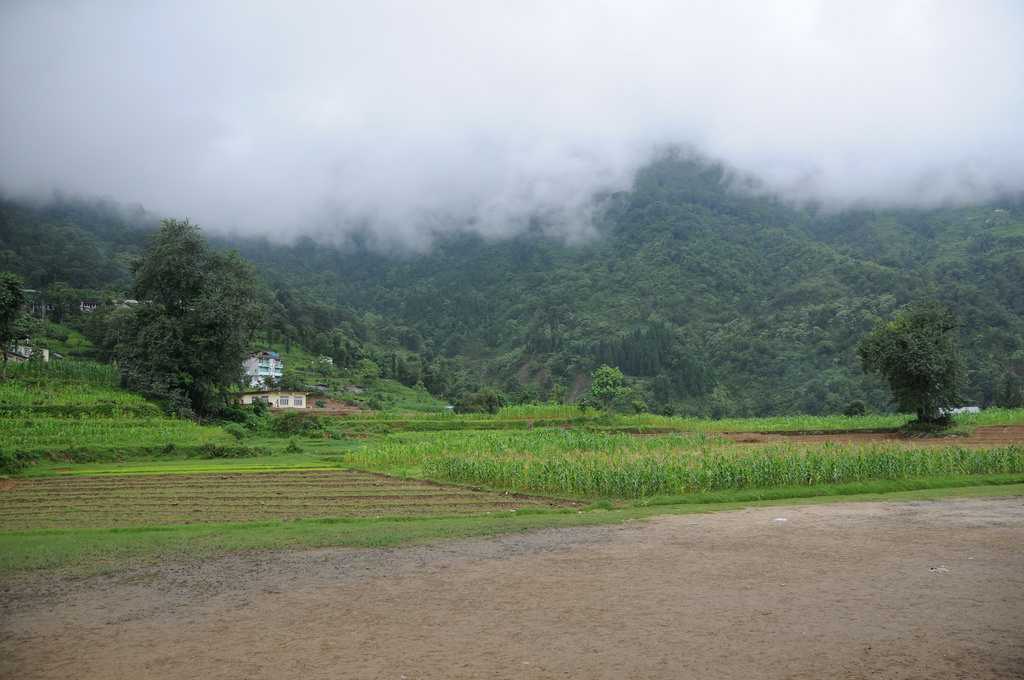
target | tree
x=12, y=298
x=198, y=311
x=608, y=385
x=918, y=354
x=481, y=401
x=62, y=297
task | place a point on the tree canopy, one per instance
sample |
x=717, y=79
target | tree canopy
x=11, y=301
x=918, y=353
x=186, y=340
x=607, y=386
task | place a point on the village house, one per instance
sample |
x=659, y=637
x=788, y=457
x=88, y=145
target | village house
x=21, y=353
x=14, y=356
x=276, y=398
x=263, y=369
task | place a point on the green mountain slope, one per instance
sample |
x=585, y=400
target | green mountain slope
x=715, y=300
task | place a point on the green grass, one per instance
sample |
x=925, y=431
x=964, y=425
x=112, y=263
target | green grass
x=62, y=339
x=53, y=434
x=275, y=463
x=61, y=371
x=85, y=551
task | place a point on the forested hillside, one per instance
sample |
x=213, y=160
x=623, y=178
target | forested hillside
x=713, y=300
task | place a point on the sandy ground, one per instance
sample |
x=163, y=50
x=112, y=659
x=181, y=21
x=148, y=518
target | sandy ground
x=988, y=436
x=860, y=590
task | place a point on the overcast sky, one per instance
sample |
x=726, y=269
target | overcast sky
x=289, y=117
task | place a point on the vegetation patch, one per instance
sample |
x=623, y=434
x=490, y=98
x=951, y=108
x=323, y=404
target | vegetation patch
x=586, y=464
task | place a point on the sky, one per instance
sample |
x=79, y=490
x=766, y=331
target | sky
x=412, y=118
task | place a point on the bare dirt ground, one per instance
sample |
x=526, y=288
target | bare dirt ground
x=982, y=436
x=870, y=590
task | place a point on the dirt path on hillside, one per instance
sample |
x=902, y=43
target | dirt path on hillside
x=912, y=590
x=983, y=436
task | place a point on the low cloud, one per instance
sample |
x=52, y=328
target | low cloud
x=408, y=119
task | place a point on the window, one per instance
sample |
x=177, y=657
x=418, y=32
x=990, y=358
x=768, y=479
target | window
x=298, y=401
x=283, y=401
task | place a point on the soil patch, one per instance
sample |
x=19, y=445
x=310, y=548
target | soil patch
x=981, y=437
x=865, y=590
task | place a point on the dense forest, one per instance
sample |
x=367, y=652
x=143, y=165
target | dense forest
x=713, y=298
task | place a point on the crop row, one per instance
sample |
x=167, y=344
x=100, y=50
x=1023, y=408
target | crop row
x=37, y=433
x=594, y=465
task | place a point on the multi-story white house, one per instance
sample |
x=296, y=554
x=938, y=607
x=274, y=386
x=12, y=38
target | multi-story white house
x=263, y=369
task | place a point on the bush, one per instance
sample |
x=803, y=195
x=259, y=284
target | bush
x=855, y=408
x=215, y=451
x=236, y=431
x=293, y=447
x=484, y=401
x=12, y=462
x=296, y=423
x=235, y=414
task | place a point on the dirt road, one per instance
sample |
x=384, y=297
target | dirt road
x=916, y=590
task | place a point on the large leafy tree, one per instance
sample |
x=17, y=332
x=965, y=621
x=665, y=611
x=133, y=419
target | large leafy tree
x=608, y=386
x=198, y=310
x=918, y=354
x=11, y=314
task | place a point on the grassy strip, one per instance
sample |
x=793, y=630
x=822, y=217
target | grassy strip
x=85, y=551
x=529, y=417
x=822, y=490
x=182, y=467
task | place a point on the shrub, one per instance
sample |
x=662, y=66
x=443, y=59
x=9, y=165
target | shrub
x=236, y=431
x=297, y=423
x=293, y=447
x=215, y=451
x=855, y=408
x=235, y=414
x=484, y=401
x=12, y=462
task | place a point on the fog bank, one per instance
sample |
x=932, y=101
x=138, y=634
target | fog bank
x=407, y=118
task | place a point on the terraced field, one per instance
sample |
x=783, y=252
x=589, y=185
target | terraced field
x=136, y=500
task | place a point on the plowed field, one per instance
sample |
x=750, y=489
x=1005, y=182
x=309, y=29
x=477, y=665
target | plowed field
x=982, y=436
x=133, y=500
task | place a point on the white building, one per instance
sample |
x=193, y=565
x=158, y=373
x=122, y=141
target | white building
x=263, y=369
x=276, y=398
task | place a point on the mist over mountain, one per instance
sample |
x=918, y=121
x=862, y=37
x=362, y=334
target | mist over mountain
x=713, y=301
x=405, y=121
